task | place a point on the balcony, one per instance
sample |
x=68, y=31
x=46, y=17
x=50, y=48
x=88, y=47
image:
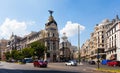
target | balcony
x=111, y=49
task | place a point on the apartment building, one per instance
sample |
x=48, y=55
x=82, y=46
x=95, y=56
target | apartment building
x=97, y=42
x=99, y=37
x=84, y=51
x=113, y=40
x=104, y=41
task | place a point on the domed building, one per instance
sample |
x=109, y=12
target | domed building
x=49, y=36
x=65, y=49
x=52, y=38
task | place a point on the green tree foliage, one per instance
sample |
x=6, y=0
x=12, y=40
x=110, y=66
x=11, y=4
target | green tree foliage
x=19, y=56
x=7, y=55
x=27, y=52
x=14, y=54
x=39, y=49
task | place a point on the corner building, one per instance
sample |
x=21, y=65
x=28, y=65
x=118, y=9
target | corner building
x=49, y=36
x=52, y=39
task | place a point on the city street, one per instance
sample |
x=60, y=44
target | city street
x=52, y=68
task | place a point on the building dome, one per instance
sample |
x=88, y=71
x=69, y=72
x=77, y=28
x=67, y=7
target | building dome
x=51, y=19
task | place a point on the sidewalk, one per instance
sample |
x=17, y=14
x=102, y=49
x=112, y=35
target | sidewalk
x=102, y=69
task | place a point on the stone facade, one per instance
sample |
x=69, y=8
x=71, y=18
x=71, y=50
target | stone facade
x=3, y=48
x=49, y=36
x=65, y=49
x=14, y=43
x=113, y=40
x=99, y=43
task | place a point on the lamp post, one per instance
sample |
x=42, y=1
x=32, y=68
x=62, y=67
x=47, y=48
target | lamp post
x=79, y=43
x=63, y=50
x=98, y=56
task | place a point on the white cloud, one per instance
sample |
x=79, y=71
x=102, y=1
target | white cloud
x=9, y=26
x=71, y=29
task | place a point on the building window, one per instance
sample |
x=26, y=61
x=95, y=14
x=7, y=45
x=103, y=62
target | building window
x=54, y=46
x=102, y=36
x=102, y=32
x=53, y=34
x=112, y=41
x=48, y=34
x=102, y=41
x=103, y=27
x=115, y=41
x=48, y=44
x=102, y=45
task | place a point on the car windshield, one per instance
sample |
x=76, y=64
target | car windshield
x=41, y=61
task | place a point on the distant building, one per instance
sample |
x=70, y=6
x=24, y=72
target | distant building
x=74, y=52
x=14, y=43
x=85, y=51
x=65, y=46
x=3, y=48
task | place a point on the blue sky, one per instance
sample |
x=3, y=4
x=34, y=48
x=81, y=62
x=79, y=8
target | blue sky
x=24, y=16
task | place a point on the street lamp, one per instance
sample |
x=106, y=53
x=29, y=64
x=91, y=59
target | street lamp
x=63, y=49
x=79, y=43
x=98, y=56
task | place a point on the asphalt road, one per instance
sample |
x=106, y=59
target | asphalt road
x=52, y=68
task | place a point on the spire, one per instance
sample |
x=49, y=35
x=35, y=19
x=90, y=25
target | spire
x=51, y=18
x=12, y=35
x=117, y=17
x=51, y=12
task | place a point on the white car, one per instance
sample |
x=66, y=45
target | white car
x=71, y=63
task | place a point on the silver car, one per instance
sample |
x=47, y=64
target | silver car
x=71, y=63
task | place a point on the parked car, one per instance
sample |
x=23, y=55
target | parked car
x=114, y=63
x=40, y=63
x=104, y=62
x=28, y=60
x=91, y=62
x=71, y=63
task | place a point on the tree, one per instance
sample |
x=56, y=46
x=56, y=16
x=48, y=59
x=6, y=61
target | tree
x=19, y=56
x=14, y=54
x=7, y=55
x=39, y=49
x=27, y=52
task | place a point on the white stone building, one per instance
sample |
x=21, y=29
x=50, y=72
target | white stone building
x=113, y=40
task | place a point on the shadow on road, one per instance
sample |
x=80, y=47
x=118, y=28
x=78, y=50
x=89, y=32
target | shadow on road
x=32, y=71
